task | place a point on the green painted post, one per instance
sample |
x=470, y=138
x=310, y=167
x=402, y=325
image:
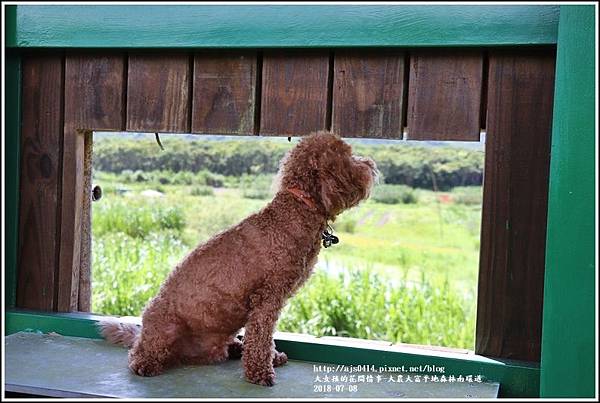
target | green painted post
x=568, y=352
x=12, y=130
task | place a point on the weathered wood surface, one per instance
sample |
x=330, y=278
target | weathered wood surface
x=159, y=93
x=41, y=133
x=368, y=94
x=84, y=301
x=95, y=86
x=94, y=99
x=511, y=277
x=294, y=92
x=224, y=92
x=444, y=100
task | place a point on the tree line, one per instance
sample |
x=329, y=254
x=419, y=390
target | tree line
x=437, y=168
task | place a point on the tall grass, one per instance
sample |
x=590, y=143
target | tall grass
x=363, y=304
x=136, y=218
x=128, y=271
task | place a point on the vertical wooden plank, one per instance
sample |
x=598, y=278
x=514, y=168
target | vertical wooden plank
x=12, y=171
x=158, y=93
x=84, y=301
x=94, y=99
x=368, y=94
x=94, y=90
x=41, y=133
x=224, y=92
x=294, y=92
x=71, y=219
x=511, y=280
x=444, y=95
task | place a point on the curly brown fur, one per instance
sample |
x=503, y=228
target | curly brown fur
x=244, y=275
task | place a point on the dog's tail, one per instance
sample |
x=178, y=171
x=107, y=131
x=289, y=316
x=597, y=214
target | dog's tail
x=122, y=334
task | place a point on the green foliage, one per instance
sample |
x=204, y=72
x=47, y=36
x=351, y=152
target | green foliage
x=165, y=177
x=202, y=191
x=127, y=271
x=363, y=304
x=468, y=195
x=230, y=157
x=439, y=168
x=135, y=218
x=394, y=194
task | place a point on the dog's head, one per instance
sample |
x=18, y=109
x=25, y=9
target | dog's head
x=323, y=166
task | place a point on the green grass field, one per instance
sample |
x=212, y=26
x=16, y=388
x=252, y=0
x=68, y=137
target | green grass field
x=403, y=272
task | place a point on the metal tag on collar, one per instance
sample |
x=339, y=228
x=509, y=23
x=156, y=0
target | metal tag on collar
x=328, y=237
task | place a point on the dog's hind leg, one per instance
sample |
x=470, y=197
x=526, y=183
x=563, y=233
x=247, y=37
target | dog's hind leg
x=279, y=358
x=235, y=348
x=153, y=350
x=207, y=348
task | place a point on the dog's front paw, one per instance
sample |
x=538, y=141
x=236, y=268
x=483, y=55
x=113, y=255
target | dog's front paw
x=264, y=378
x=279, y=359
x=144, y=366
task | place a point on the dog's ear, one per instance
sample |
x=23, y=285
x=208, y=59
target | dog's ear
x=332, y=178
x=327, y=193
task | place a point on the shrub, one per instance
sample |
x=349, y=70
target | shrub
x=139, y=176
x=394, y=194
x=468, y=195
x=164, y=179
x=182, y=178
x=202, y=191
x=209, y=179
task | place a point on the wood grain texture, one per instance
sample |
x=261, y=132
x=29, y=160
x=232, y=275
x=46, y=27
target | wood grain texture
x=94, y=90
x=158, y=93
x=513, y=235
x=368, y=94
x=224, y=92
x=282, y=26
x=84, y=302
x=94, y=99
x=444, y=99
x=41, y=134
x=294, y=92
x=71, y=218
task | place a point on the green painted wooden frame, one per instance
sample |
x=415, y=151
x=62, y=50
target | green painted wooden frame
x=289, y=26
x=62, y=27
x=568, y=328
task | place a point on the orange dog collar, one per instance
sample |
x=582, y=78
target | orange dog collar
x=302, y=195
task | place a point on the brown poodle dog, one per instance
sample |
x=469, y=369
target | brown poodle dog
x=243, y=276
